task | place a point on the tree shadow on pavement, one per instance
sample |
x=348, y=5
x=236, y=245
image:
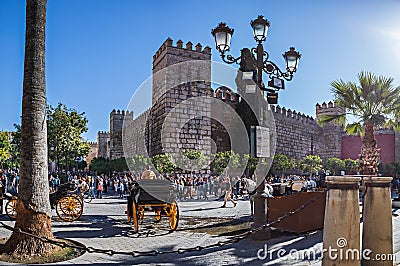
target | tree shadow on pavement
x=245, y=252
x=103, y=226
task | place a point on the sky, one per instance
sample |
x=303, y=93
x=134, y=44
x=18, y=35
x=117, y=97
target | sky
x=98, y=52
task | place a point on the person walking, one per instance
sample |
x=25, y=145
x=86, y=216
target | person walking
x=100, y=188
x=56, y=182
x=189, y=187
x=121, y=190
x=200, y=188
x=205, y=188
x=116, y=185
x=148, y=174
x=181, y=186
x=226, y=183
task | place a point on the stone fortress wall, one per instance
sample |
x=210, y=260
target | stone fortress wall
x=92, y=153
x=174, y=82
x=299, y=135
x=103, y=144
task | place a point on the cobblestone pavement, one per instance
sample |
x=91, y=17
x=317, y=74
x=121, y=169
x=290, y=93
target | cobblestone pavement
x=104, y=225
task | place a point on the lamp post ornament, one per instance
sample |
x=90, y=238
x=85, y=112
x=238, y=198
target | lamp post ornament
x=256, y=60
x=223, y=34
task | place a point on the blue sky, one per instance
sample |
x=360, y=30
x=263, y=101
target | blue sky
x=99, y=51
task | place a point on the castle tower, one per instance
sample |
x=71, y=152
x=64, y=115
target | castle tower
x=332, y=133
x=180, y=73
x=118, y=120
x=103, y=144
x=168, y=70
x=93, y=153
x=328, y=109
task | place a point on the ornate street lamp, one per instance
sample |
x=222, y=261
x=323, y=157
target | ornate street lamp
x=257, y=60
x=260, y=27
x=222, y=34
x=292, y=59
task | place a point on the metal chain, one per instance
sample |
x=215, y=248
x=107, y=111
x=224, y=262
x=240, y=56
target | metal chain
x=156, y=252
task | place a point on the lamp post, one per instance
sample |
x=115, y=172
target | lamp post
x=257, y=60
x=52, y=151
x=223, y=34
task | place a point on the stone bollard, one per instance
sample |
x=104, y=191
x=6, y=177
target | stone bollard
x=377, y=235
x=342, y=222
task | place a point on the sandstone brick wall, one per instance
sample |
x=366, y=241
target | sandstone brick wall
x=299, y=135
x=331, y=136
x=219, y=133
x=295, y=133
x=134, y=135
x=103, y=142
x=117, y=120
x=192, y=119
x=93, y=153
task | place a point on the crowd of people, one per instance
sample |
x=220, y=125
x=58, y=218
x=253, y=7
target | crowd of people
x=96, y=185
x=188, y=186
x=9, y=181
x=204, y=186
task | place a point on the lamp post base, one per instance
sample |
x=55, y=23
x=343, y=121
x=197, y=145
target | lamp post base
x=259, y=217
x=261, y=235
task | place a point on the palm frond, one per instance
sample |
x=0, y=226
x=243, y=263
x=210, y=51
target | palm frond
x=338, y=119
x=354, y=128
x=373, y=99
x=394, y=123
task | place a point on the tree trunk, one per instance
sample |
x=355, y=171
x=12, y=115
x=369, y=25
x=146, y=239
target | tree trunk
x=33, y=207
x=369, y=157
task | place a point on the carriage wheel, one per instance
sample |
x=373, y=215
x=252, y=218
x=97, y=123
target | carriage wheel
x=140, y=212
x=69, y=208
x=158, y=215
x=135, y=217
x=173, y=216
x=11, y=207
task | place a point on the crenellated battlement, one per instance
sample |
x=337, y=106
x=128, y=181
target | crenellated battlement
x=121, y=112
x=92, y=143
x=324, y=105
x=225, y=94
x=329, y=108
x=168, y=54
x=179, y=45
x=103, y=133
x=291, y=114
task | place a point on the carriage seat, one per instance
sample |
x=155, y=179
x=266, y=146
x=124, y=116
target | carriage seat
x=155, y=191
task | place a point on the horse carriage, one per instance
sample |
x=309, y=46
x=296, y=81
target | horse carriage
x=11, y=204
x=68, y=205
x=156, y=196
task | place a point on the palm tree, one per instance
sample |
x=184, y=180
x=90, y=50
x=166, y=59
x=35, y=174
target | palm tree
x=373, y=102
x=33, y=207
